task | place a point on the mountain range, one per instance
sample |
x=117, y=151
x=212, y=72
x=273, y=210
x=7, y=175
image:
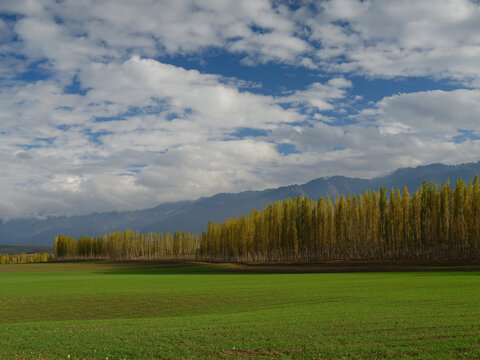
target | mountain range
x=194, y=215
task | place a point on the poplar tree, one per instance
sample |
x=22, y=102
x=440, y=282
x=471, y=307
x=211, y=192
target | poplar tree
x=431, y=224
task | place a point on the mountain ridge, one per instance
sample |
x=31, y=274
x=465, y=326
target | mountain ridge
x=194, y=215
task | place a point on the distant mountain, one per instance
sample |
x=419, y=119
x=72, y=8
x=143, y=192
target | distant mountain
x=27, y=249
x=194, y=215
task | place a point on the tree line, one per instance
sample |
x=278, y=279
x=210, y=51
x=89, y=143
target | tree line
x=25, y=258
x=433, y=223
x=128, y=245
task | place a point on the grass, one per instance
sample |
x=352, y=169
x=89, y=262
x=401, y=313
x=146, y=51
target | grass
x=198, y=311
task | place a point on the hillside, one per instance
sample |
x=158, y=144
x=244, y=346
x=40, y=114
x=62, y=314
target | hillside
x=27, y=249
x=194, y=215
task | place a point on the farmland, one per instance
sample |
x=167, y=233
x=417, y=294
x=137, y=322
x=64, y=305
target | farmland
x=98, y=310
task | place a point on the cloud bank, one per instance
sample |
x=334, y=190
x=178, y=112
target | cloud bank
x=99, y=112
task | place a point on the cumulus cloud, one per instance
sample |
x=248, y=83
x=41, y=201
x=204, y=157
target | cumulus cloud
x=69, y=33
x=318, y=96
x=79, y=149
x=399, y=38
x=402, y=130
x=436, y=114
x=376, y=38
x=108, y=121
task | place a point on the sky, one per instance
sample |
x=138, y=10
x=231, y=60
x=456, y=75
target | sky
x=121, y=105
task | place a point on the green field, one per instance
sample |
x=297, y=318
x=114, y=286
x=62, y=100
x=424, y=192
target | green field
x=198, y=311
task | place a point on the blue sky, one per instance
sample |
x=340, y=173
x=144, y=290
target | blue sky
x=119, y=105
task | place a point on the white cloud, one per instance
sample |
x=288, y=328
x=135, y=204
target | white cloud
x=111, y=29
x=432, y=114
x=318, y=96
x=140, y=82
x=398, y=131
x=169, y=131
x=399, y=38
x=60, y=159
x=375, y=38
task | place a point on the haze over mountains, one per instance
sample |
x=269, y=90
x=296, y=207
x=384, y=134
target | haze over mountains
x=194, y=215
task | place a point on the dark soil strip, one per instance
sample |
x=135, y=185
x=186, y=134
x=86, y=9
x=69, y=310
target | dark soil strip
x=321, y=267
x=81, y=267
x=360, y=266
